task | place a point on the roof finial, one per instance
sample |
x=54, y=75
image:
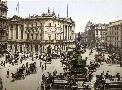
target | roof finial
x=48, y=10
x=53, y=10
x=58, y=15
x=29, y=16
x=67, y=10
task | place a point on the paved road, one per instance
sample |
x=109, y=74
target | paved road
x=112, y=68
x=31, y=82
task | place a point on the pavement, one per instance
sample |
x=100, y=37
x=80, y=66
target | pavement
x=32, y=81
x=112, y=68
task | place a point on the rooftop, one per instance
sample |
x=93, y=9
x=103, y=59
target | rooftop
x=50, y=15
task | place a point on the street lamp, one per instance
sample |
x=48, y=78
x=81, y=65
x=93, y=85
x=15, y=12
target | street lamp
x=54, y=44
x=49, y=35
x=49, y=47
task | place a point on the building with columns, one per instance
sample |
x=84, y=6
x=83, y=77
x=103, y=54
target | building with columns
x=37, y=33
x=16, y=34
x=3, y=26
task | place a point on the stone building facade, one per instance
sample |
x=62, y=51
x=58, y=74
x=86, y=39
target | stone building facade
x=3, y=26
x=114, y=34
x=16, y=34
x=37, y=33
x=95, y=33
x=90, y=33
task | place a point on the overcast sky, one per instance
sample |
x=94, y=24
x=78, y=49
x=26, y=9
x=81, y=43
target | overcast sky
x=81, y=11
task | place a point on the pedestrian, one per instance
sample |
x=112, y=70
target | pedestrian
x=1, y=84
x=13, y=76
x=118, y=76
x=42, y=67
x=45, y=66
x=107, y=75
x=4, y=63
x=1, y=63
x=32, y=58
x=21, y=60
x=8, y=73
x=27, y=65
x=90, y=76
x=40, y=63
x=43, y=78
x=39, y=56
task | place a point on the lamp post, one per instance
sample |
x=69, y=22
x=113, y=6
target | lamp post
x=54, y=44
x=49, y=47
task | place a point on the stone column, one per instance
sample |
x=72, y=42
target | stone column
x=68, y=32
x=14, y=32
x=65, y=32
x=9, y=33
x=19, y=32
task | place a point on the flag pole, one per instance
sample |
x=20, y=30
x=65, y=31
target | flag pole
x=18, y=8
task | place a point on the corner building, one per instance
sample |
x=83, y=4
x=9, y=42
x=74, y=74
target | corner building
x=36, y=33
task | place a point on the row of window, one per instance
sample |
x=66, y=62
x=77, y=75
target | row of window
x=113, y=33
x=115, y=27
x=3, y=13
x=34, y=24
x=16, y=28
x=2, y=24
x=114, y=38
x=32, y=36
x=36, y=47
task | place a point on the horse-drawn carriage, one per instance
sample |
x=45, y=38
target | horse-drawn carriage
x=32, y=68
x=99, y=58
x=93, y=65
x=55, y=55
x=20, y=74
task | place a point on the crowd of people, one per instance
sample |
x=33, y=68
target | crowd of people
x=66, y=60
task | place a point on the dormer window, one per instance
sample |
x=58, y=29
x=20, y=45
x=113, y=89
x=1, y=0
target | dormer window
x=40, y=24
x=36, y=23
x=49, y=24
x=32, y=25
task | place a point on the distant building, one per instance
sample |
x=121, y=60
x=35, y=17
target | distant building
x=100, y=32
x=83, y=38
x=95, y=33
x=114, y=34
x=3, y=26
x=90, y=33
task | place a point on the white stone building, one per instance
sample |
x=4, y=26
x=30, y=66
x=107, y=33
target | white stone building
x=36, y=33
